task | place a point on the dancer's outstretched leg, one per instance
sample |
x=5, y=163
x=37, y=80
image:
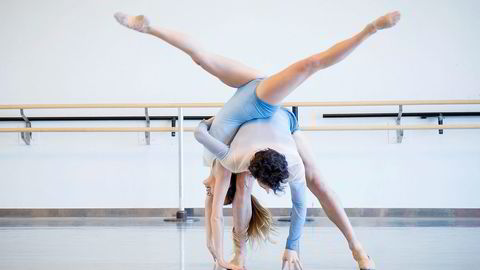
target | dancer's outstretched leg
x=330, y=202
x=231, y=72
x=274, y=89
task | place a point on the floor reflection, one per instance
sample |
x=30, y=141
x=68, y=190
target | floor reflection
x=96, y=244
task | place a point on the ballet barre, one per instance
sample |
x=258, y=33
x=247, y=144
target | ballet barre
x=304, y=128
x=220, y=104
x=26, y=133
x=173, y=119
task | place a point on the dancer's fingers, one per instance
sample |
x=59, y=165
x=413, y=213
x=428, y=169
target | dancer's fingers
x=233, y=267
x=209, y=121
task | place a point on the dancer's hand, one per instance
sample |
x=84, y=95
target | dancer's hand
x=209, y=121
x=291, y=261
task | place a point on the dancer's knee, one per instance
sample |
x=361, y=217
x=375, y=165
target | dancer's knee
x=198, y=57
x=305, y=66
x=320, y=61
x=318, y=187
x=315, y=181
x=311, y=171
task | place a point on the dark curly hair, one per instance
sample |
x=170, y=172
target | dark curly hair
x=270, y=168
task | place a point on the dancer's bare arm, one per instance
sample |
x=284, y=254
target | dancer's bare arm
x=242, y=213
x=222, y=182
x=208, y=215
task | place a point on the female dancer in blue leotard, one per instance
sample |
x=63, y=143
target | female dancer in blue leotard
x=258, y=97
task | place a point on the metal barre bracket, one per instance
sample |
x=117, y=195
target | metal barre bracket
x=147, y=133
x=440, y=122
x=174, y=124
x=398, y=120
x=295, y=111
x=26, y=136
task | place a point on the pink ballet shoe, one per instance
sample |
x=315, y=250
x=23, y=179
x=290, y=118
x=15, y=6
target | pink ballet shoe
x=364, y=262
x=388, y=20
x=138, y=23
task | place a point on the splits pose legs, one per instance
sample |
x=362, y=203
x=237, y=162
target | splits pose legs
x=275, y=88
x=271, y=91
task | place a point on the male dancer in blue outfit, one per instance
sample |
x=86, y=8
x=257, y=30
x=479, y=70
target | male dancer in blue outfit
x=259, y=96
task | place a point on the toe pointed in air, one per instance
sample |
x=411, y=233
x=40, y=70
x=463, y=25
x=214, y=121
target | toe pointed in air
x=120, y=17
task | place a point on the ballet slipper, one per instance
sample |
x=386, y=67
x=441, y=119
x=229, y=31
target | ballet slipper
x=386, y=21
x=225, y=266
x=364, y=261
x=139, y=23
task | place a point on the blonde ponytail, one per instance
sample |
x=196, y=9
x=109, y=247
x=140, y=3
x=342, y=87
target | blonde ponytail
x=261, y=224
x=260, y=227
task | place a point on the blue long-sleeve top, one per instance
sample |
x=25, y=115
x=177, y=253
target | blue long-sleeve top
x=256, y=135
x=298, y=214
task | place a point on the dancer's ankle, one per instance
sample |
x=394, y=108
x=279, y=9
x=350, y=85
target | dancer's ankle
x=355, y=245
x=370, y=28
x=359, y=254
x=147, y=29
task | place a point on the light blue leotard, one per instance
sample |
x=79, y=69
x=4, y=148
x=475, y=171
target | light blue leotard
x=243, y=106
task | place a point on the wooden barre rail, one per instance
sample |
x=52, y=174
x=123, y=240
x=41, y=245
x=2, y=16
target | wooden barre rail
x=220, y=104
x=26, y=133
x=191, y=129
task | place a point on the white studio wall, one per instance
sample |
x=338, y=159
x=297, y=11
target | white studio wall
x=75, y=52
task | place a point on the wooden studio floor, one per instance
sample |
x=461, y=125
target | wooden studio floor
x=150, y=243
